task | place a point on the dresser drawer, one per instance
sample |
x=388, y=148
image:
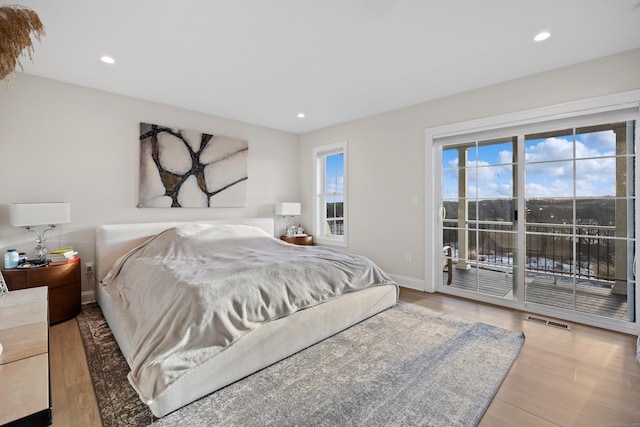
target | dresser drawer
x=25, y=391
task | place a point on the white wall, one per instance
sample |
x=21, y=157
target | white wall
x=387, y=154
x=62, y=142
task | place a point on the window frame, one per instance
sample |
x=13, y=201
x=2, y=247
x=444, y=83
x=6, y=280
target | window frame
x=320, y=153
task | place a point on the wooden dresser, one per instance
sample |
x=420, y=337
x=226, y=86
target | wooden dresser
x=25, y=398
x=63, y=281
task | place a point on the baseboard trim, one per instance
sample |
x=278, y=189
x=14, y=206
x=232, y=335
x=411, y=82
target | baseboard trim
x=88, y=297
x=408, y=282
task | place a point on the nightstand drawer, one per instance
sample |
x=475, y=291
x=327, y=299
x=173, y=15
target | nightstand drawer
x=16, y=279
x=67, y=302
x=298, y=240
x=54, y=276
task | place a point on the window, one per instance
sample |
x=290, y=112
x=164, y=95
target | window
x=330, y=205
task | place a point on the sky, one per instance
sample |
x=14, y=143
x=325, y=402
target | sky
x=549, y=168
x=335, y=175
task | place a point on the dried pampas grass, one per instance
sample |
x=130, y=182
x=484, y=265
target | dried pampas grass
x=16, y=25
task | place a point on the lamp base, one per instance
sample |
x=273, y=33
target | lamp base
x=41, y=244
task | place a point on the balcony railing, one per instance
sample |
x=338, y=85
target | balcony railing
x=550, y=248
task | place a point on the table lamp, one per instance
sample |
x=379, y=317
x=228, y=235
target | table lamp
x=288, y=210
x=29, y=215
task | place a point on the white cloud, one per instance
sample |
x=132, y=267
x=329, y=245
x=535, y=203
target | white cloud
x=549, y=168
x=588, y=145
x=596, y=169
x=490, y=181
x=595, y=174
x=557, y=188
x=548, y=149
x=336, y=187
x=603, y=142
x=505, y=157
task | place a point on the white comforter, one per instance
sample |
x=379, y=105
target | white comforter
x=191, y=291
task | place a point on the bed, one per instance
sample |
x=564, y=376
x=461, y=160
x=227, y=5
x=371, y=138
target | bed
x=247, y=348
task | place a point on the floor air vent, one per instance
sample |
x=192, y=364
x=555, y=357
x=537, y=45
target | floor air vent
x=547, y=322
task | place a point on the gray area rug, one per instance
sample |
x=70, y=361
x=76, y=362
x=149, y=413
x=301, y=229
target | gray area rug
x=407, y=366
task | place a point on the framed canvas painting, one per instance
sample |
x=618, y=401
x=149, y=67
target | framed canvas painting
x=185, y=168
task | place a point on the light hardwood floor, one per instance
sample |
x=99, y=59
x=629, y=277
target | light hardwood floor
x=583, y=377
x=72, y=397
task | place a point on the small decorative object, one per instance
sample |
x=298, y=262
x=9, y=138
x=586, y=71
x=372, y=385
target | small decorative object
x=3, y=286
x=190, y=169
x=288, y=210
x=11, y=259
x=17, y=24
x=29, y=215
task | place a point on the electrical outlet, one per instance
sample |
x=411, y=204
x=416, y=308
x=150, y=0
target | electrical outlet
x=88, y=267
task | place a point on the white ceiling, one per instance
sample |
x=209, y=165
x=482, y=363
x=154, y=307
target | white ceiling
x=263, y=61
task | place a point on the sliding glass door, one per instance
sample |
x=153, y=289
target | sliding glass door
x=542, y=217
x=478, y=216
x=579, y=197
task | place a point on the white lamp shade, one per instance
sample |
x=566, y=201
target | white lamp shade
x=287, y=209
x=28, y=214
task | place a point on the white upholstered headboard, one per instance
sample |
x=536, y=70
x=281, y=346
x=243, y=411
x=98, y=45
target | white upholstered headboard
x=113, y=240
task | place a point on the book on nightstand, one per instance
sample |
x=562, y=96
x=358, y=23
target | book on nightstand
x=68, y=252
x=64, y=261
x=61, y=256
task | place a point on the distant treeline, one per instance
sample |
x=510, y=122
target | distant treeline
x=334, y=210
x=588, y=211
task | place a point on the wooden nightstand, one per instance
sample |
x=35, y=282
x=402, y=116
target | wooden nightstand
x=63, y=280
x=24, y=362
x=298, y=240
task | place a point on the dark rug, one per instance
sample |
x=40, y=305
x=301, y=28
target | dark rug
x=406, y=366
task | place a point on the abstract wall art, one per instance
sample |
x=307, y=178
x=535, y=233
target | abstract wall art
x=184, y=168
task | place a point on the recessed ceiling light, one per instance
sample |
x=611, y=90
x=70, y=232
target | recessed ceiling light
x=300, y=115
x=107, y=59
x=542, y=36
